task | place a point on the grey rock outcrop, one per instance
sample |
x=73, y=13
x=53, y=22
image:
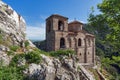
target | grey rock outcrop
x=54, y=69
x=12, y=31
x=12, y=26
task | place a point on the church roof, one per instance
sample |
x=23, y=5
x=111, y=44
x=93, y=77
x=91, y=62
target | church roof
x=75, y=22
x=57, y=15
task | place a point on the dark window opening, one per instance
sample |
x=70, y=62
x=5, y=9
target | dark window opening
x=80, y=54
x=60, y=25
x=62, y=43
x=79, y=42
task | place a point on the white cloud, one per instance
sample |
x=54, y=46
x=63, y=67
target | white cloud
x=36, y=32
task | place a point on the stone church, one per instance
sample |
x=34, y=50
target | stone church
x=63, y=35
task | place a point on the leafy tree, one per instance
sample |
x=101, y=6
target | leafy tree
x=111, y=11
x=106, y=27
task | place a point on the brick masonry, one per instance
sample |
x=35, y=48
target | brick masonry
x=63, y=35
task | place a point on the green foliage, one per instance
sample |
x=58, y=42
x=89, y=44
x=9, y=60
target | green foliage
x=106, y=27
x=10, y=53
x=112, y=17
x=30, y=57
x=11, y=73
x=1, y=39
x=61, y=53
x=33, y=57
x=16, y=58
x=27, y=43
x=116, y=60
x=14, y=48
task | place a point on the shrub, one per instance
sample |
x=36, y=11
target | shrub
x=62, y=52
x=11, y=73
x=26, y=43
x=33, y=57
x=1, y=39
x=10, y=53
x=16, y=58
x=14, y=48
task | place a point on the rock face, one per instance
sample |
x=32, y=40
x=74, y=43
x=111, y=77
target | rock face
x=12, y=26
x=55, y=69
x=12, y=31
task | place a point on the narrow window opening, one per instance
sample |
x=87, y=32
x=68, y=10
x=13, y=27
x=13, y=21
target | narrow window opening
x=80, y=54
x=79, y=42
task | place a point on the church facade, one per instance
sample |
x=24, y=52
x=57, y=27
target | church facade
x=63, y=35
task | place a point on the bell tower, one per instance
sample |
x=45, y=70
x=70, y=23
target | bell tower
x=56, y=26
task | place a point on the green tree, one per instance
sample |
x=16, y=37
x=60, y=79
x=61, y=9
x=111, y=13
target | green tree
x=111, y=10
x=106, y=27
x=107, y=24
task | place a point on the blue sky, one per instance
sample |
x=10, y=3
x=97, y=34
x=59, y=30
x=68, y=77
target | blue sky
x=35, y=12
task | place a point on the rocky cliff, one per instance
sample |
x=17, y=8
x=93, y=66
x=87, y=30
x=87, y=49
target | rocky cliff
x=12, y=26
x=12, y=31
x=55, y=69
x=13, y=40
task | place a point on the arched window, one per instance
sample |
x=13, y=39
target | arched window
x=79, y=42
x=62, y=43
x=60, y=25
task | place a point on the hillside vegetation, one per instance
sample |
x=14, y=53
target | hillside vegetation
x=106, y=28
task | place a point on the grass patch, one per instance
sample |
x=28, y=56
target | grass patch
x=14, y=48
x=27, y=43
x=62, y=53
x=11, y=73
x=33, y=57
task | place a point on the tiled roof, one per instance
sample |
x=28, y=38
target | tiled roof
x=75, y=22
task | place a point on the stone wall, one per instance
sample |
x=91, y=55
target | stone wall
x=73, y=37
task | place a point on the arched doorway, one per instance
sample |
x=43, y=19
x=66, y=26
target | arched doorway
x=62, y=43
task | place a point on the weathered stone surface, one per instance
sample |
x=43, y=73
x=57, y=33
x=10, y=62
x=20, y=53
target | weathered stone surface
x=12, y=26
x=63, y=35
x=54, y=69
x=4, y=58
x=12, y=31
